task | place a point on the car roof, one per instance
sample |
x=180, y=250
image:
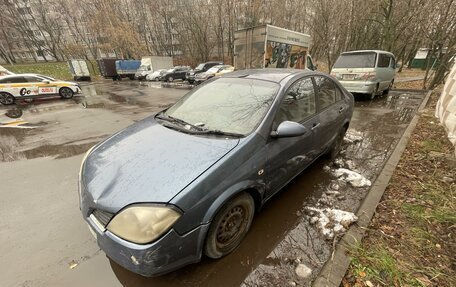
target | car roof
x=268, y=74
x=367, y=51
x=21, y=75
x=213, y=62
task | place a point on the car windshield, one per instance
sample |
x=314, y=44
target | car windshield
x=199, y=67
x=214, y=69
x=142, y=68
x=356, y=60
x=170, y=70
x=230, y=105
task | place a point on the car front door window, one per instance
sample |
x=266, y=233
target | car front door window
x=298, y=104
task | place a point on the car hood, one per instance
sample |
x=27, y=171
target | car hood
x=147, y=162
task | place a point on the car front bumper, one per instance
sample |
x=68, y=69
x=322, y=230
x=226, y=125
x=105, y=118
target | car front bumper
x=168, y=253
x=361, y=87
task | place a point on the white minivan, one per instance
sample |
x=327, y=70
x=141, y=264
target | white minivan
x=366, y=71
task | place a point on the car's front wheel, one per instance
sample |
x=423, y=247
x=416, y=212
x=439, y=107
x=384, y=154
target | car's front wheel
x=66, y=93
x=170, y=79
x=229, y=226
x=6, y=99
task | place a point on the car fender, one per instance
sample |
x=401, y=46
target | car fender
x=248, y=185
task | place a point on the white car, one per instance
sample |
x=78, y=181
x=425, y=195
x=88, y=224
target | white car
x=215, y=71
x=23, y=86
x=156, y=75
x=366, y=72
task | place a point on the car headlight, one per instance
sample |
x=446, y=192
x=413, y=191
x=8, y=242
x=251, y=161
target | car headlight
x=143, y=223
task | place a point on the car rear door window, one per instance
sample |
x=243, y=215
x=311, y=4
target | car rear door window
x=326, y=92
x=383, y=61
x=15, y=80
x=339, y=94
x=298, y=104
x=32, y=79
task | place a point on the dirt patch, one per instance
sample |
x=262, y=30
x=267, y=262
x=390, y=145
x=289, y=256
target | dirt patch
x=411, y=85
x=411, y=240
x=407, y=73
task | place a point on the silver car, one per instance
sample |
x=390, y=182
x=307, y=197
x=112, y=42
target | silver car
x=366, y=72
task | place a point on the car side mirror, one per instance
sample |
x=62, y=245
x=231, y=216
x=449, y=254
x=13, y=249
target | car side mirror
x=45, y=81
x=288, y=129
x=398, y=65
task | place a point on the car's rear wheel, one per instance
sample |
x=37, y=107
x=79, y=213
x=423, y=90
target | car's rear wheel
x=66, y=93
x=336, y=146
x=373, y=94
x=6, y=98
x=389, y=88
x=230, y=226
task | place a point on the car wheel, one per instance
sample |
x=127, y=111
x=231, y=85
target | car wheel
x=373, y=94
x=6, y=99
x=389, y=88
x=170, y=79
x=66, y=93
x=336, y=145
x=229, y=226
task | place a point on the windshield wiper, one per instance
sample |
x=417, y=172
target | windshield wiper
x=220, y=133
x=163, y=116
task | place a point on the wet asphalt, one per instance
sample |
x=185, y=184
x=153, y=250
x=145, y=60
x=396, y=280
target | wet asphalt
x=45, y=242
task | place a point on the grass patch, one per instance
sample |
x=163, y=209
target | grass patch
x=377, y=264
x=58, y=70
x=431, y=145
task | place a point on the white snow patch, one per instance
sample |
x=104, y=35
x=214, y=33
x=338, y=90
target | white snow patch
x=354, y=178
x=303, y=271
x=331, y=221
x=353, y=136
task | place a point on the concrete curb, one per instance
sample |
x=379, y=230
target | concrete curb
x=334, y=269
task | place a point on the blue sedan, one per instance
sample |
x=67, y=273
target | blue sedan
x=187, y=181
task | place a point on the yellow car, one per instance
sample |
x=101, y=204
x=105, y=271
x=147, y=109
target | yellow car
x=25, y=86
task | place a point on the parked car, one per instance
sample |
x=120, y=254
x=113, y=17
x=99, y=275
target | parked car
x=367, y=72
x=25, y=86
x=201, y=68
x=213, y=72
x=150, y=64
x=156, y=76
x=175, y=73
x=188, y=180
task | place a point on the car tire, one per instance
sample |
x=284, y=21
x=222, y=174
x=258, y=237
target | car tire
x=389, y=88
x=229, y=226
x=6, y=98
x=372, y=95
x=335, y=148
x=66, y=93
x=170, y=79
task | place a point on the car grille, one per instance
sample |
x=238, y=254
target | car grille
x=102, y=216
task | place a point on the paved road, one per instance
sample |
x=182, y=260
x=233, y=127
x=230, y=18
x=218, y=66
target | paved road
x=45, y=242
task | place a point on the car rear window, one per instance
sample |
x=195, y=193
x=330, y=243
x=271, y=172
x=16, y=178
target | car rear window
x=356, y=60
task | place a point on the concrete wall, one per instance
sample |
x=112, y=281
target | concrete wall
x=446, y=106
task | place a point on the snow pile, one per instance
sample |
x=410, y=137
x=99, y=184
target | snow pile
x=354, y=178
x=331, y=222
x=353, y=136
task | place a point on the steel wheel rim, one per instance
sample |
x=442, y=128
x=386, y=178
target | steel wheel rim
x=66, y=93
x=231, y=227
x=6, y=99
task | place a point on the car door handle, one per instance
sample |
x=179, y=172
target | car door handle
x=341, y=109
x=314, y=126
